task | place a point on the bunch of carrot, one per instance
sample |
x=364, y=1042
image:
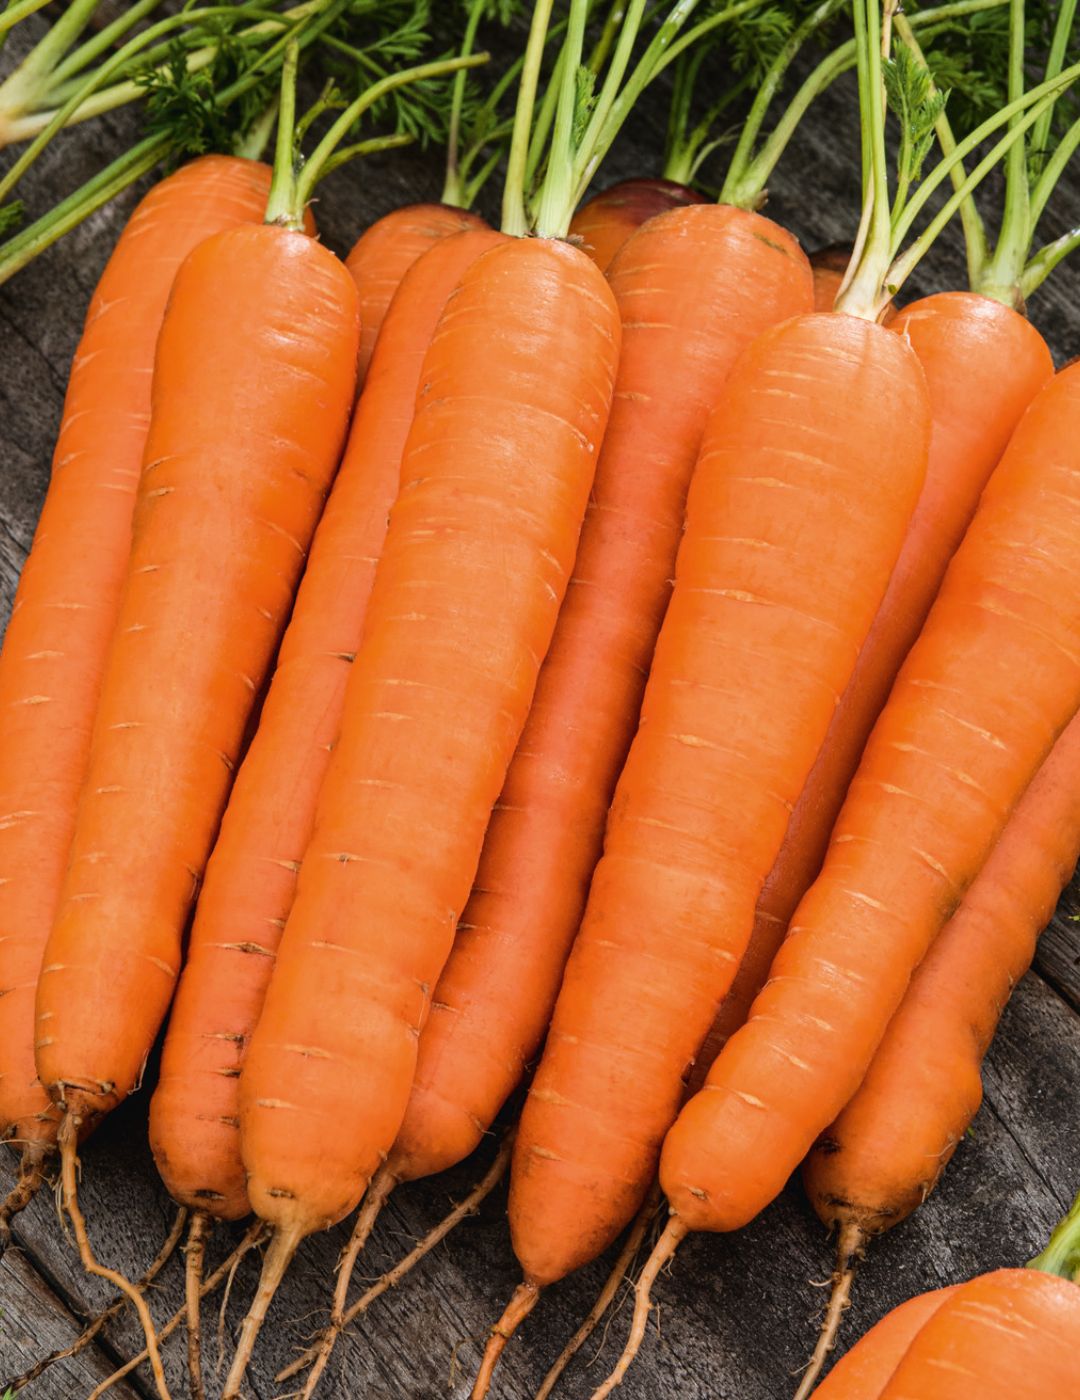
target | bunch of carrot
x=613, y=644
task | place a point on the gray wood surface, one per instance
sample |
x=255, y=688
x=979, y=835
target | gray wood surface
x=737, y=1314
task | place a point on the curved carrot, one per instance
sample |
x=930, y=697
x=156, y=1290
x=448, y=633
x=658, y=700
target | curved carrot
x=244, y=439
x=516, y=389
x=603, y=223
x=886, y=1151
x=951, y=755
x=861, y=1374
x=774, y=582
x=251, y=876
x=714, y=277
x=69, y=593
x=984, y=363
x=1009, y=1335
x=383, y=253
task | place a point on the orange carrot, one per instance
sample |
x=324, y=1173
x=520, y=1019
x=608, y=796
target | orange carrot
x=382, y=255
x=863, y=1372
x=516, y=388
x=241, y=450
x=773, y=581
x=717, y=276
x=251, y=876
x=1010, y=1335
x=886, y=1151
x=949, y=758
x=69, y=596
x=984, y=363
x=603, y=224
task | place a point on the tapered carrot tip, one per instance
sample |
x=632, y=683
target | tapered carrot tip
x=620, y=1271
x=67, y=1141
x=283, y=1246
x=526, y=1296
x=378, y=1193
x=665, y=1248
x=850, y=1249
x=31, y=1175
x=194, y=1255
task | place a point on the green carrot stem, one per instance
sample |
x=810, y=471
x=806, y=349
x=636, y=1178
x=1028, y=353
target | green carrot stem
x=1062, y=1253
x=101, y=42
x=903, y=266
x=282, y=206
x=1052, y=172
x=748, y=172
x=1045, y=260
x=120, y=94
x=19, y=11
x=1059, y=46
x=514, y=218
x=1003, y=271
x=44, y=232
x=556, y=203
x=975, y=241
x=452, y=184
x=83, y=94
x=316, y=166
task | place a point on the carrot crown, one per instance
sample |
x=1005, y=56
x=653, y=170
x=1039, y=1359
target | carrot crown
x=878, y=267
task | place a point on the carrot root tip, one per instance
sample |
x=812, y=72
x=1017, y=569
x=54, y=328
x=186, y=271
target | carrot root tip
x=27, y=1184
x=194, y=1257
x=674, y=1234
x=283, y=1245
x=851, y=1246
x=521, y=1304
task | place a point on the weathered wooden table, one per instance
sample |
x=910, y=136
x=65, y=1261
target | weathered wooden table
x=737, y=1314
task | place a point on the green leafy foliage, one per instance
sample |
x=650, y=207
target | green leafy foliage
x=377, y=38
x=917, y=104
x=754, y=43
x=183, y=104
x=584, y=101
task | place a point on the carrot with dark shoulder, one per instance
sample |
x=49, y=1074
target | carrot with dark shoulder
x=604, y=223
x=477, y=558
x=68, y=598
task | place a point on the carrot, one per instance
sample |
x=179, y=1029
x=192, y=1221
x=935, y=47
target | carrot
x=947, y=778
x=382, y=255
x=1009, y=1335
x=944, y=772
x=862, y=1373
x=248, y=418
x=603, y=224
x=251, y=875
x=68, y=599
x=516, y=389
x=984, y=363
x=886, y=1151
x=722, y=732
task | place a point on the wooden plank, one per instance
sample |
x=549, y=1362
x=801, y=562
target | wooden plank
x=34, y=1322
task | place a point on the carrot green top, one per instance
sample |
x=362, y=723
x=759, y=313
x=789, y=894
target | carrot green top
x=1011, y=270
x=883, y=259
